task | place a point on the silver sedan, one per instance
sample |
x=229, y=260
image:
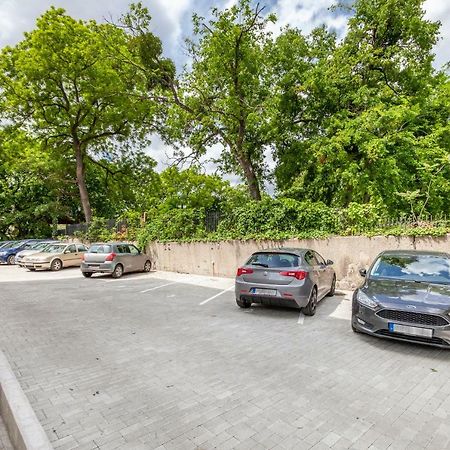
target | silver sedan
x=292, y=277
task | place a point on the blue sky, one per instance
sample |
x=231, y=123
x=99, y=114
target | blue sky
x=172, y=23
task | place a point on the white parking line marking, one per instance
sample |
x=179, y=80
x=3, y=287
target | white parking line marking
x=301, y=319
x=157, y=287
x=215, y=296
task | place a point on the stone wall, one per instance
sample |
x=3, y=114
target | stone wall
x=349, y=253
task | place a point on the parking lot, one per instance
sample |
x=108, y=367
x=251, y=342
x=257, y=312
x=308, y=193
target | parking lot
x=167, y=361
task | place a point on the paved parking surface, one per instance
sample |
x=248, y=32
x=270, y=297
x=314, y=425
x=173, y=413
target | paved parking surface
x=146, y=362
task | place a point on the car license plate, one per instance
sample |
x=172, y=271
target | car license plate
x=258, y=291
x=412, y=331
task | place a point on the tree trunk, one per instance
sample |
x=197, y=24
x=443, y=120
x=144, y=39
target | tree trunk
x=250, y=177
x=81, y=182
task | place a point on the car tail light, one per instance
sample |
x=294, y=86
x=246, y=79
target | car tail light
x=110, y=257
x=82, y=257
x=243, y=271
x=299, y=274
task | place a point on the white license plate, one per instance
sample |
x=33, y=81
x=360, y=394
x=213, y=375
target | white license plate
x=412, y=331
x=264, y=291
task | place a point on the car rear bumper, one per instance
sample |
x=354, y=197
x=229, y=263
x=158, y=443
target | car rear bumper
x=286, y=295
x=107, y=267
x=366, y=321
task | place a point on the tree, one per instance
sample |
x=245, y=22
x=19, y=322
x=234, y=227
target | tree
x=62, y=85
x=221, y=99
x=371, y=98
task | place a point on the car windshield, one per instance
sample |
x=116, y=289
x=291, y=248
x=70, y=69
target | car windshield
x=100, y=248
x=11, y=244
x=54, y=248
x=420, y=268
x=269, y=260
x=40, y=246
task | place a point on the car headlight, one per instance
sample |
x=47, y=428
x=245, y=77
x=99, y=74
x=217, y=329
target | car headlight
x=363, y=299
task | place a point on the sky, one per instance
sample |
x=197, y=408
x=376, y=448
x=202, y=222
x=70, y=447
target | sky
x=171, y=21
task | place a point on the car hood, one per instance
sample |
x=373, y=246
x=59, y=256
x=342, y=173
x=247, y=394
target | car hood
x=42, y=255
x=420, y=297
x=27, y=252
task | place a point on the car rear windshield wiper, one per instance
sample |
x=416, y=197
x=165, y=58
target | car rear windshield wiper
x=260, y=264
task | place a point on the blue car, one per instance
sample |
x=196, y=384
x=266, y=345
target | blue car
x=9, y=250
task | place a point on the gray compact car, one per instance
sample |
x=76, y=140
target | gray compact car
x=405, y=296
x=114, y=258
x=286, y=277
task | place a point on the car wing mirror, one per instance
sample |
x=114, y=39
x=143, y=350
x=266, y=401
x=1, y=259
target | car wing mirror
x=329, y=262
x=363, y=272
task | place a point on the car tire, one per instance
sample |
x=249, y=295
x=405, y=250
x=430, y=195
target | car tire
x=10, y=260
x=243, y=303
x=310, y=308
x=56, y=265
x=118, y=271
x=147, y=266
x=87, y=274
x=32, y=270
x=333, y=287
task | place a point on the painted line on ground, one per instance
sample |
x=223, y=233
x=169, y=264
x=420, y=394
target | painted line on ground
x=215, y=296
x=301, y=319
x=157, y=287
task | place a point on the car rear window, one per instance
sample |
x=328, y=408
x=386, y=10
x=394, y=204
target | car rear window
x=420, y=268
x=274, y=260
x=100, y=248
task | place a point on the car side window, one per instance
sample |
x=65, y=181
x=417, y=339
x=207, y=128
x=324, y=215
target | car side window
x=319, y=259
x=123, y=248
x=311, y=259
x=133, y=250
x=72, y=249
x=82, y=248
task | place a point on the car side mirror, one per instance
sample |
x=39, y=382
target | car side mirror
x=329, y=262
x=363, y=272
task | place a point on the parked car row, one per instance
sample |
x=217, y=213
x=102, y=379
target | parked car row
x=405, y=294
x=114, y=258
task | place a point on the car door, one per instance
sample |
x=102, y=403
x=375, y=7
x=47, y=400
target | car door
x=70, y=255
x=324, y=274
x=136, y=258
x=82, y=249
x=124, y=257
x=311, y=260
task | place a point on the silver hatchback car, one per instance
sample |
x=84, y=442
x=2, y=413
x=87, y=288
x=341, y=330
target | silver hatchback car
x=290, y=277
x=114, y=258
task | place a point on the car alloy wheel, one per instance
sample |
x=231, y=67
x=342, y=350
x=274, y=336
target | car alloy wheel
x=147, y=266
x=56, y=265
x=333, y=287
x=10, y=260
x=118, y=271
x=310, y=308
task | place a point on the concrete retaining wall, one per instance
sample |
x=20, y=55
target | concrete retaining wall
x=349, y=253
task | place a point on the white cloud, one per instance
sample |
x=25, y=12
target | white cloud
x=440, y=10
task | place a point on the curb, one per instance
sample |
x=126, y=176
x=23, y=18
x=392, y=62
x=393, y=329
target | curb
x=24, y=429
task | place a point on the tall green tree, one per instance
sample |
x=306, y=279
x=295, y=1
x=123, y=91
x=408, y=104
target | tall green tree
x=220, y=99
x=370, y=97
x=63, y=86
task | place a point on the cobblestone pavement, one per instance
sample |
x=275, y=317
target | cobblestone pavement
x=106, y=365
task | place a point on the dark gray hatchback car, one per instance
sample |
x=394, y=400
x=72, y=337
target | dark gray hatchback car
x=405, y=296
x=293, y=277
